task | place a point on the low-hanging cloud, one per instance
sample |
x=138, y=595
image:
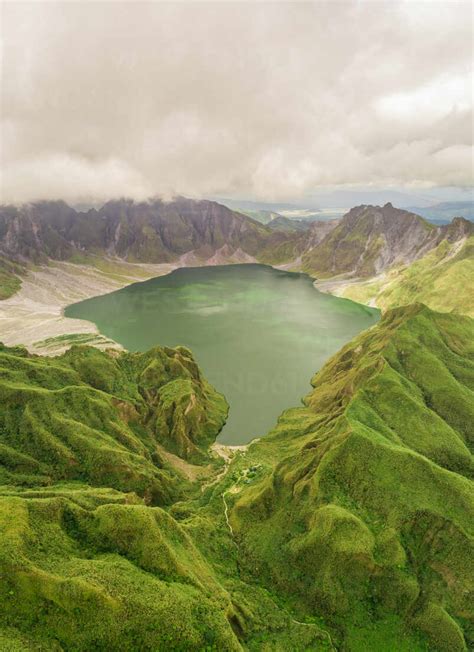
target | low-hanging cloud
x=103, y=99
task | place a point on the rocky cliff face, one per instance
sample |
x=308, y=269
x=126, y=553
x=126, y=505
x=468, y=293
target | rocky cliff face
x=153, y=232
x=366, y=241
x=372, y=239
x=317, y=232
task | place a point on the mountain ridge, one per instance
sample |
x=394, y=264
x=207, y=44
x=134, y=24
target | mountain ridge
x=371, y=239
x=148, y=232
x=356, y=483
x=159, y=232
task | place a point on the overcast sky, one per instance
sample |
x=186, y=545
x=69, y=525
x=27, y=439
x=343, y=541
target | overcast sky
x=270, y=101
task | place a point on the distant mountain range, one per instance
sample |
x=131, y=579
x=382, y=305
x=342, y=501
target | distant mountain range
x=444, y=212
x=281, y=223
x=245, y=205
x=332, y=199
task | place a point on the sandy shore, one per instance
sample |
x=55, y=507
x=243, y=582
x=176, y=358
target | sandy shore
x=361, y=290
x=36, y=312
x=227, y=451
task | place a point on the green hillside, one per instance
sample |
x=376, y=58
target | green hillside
x=348, y=527
x=364, y=510
x=86, y=560
x=98, y=550
x=443, y=280
x=10, y=281
x=97, y=417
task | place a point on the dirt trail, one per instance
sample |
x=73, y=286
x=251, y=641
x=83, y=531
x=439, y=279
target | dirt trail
x=227, y=453
x=224, y=452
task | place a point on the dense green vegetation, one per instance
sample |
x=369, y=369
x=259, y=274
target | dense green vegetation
x=97, y=417
x=97, y=548
x=10, y=281
x=364, y=513
x=349, y=525
x=443, y=280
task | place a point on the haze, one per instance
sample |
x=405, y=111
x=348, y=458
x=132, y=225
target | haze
x=271, y=101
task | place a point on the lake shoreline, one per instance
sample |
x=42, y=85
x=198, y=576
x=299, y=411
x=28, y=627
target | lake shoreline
x=36, y=312
x=34, y=316
x=257, y=333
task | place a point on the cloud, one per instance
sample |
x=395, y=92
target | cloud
x=272, y=100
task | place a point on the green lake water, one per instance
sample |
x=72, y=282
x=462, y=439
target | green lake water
x=258, y=334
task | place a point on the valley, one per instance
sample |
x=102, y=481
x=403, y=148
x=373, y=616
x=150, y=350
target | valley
x=312, y=537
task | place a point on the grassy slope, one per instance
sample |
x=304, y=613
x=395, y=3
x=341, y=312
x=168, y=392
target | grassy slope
x=443, y=280
x=105, y=575
x=90, y=558
x=282, y=248
x=96, y=417
x=354, y=514
x=85, y=561
x=10, y=281
x=364, y=510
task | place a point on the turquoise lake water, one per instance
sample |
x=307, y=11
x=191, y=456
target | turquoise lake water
x=259, y=334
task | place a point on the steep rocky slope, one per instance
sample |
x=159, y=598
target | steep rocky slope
x=367, y=243
x=363, y=508
x=442, y=279
x=388, y=257
x=154, y=231
x=372, y=239
x=384, y=257
x=288, y=246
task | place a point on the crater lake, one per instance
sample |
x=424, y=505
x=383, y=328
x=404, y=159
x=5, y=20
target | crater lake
x=258, y=334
